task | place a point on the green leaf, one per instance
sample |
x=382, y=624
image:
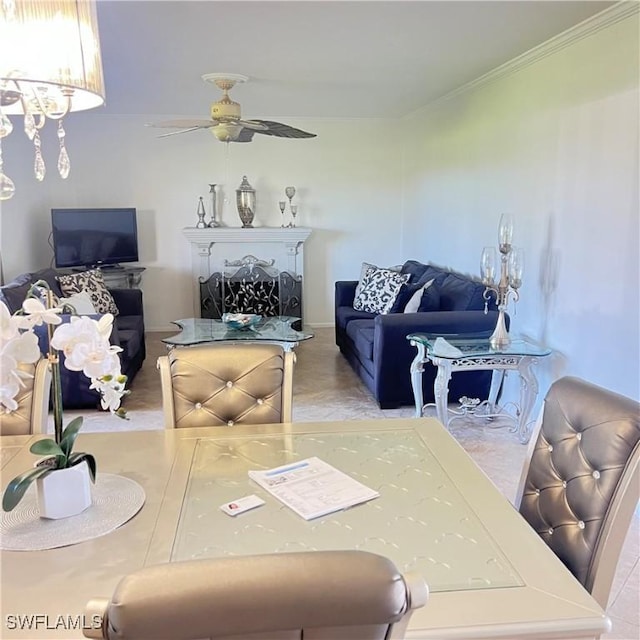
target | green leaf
x=17, y=487
x=70, y=434
x=48, y=447
x=78, y=457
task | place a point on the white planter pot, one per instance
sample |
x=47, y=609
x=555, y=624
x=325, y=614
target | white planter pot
x=64, y=492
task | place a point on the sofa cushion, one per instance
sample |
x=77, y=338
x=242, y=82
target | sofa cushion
x=50, y=276
x=420, y=272
x=378, y=290
x=364, y=269
x=458, y=293
x=14, y=293
x=430, y=300
x=344, y=315
x=92, y=282
x=129, y=342
x=81, y=303
x=361, y=333
x=415, y=302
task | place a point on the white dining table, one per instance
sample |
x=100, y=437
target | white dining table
x=489, y=573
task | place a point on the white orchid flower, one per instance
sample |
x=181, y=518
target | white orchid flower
x=8, y=324
x=37, y=313
x=111, y=390
x=83, y=341
x=22, y=348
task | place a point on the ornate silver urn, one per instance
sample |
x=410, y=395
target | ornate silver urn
x=246, y=202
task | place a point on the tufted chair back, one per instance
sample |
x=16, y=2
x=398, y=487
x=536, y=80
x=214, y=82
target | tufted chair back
x=317, y=595
x=33, y=402
x=226, y=383
x=582, y=481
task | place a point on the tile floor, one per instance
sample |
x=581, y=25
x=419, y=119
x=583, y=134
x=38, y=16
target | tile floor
x=325, y=388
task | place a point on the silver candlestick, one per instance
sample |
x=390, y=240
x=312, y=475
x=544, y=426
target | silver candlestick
x=201, y=224
x=511, y=265
x=213, y=189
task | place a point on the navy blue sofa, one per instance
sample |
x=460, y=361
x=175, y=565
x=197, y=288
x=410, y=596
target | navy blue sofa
x=377, y=348
x=128, y=333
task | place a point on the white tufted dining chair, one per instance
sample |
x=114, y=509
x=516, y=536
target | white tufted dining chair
x=581, y=483
x=316, y=595
x=227, y=383
x=33, y=402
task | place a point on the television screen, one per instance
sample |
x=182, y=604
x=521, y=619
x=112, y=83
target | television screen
x=94, y=237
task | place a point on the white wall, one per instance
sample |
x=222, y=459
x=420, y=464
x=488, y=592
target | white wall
x=347, y=180
x=556, y=144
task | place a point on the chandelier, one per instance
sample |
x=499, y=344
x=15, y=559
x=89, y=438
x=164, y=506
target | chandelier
x=50, y=65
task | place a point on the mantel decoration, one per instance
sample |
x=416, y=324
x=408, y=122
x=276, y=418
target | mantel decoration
x=50, y=65
x=246, y=203
x=63, y=476
x=511, y=267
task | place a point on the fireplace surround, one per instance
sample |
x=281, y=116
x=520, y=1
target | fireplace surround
x=266, y=263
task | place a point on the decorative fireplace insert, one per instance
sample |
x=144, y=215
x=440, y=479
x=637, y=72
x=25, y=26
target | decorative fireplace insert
x=253, y=286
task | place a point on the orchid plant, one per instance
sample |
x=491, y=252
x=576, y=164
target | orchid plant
x=84, y=341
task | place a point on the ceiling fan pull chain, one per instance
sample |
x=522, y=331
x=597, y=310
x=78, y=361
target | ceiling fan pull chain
x=64, y=164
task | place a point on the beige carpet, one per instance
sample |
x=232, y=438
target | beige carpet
x=325, y=388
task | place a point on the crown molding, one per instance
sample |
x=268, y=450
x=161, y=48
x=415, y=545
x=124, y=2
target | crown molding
x=584, y=29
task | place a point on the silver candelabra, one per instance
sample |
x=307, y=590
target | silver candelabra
x=511, y=266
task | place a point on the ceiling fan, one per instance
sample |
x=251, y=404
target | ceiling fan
x=226, y=123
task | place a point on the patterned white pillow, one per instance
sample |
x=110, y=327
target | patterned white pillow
x=93, y=283
x=378, y=291
x=364, y=270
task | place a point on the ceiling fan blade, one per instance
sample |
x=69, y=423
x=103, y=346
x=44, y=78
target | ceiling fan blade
x=280, y=130
x=175, y=133
x=184, y=124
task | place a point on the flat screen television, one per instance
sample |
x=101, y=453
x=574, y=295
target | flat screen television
x=94, y=237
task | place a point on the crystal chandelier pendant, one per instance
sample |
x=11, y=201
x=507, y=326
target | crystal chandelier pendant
x=64, y=165
x=7, y=188
x=6, y=127
x=38, y=167
x=29, y=125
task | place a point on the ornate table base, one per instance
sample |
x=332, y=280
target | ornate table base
x=498, y=363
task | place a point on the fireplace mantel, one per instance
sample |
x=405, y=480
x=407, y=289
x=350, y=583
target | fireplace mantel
x=211, y=247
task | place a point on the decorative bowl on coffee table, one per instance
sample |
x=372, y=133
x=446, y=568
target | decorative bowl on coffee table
x=241, y=320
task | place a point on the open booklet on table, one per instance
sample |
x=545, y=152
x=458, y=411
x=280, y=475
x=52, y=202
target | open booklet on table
x=312, y=487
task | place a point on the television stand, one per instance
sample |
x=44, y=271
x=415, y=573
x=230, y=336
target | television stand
x=120, y=277
x=109, y=267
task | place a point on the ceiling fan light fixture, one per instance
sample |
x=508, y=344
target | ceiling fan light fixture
x=226, y=131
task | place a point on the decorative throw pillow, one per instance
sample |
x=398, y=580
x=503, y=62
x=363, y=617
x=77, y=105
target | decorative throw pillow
x=93, y=283
x=81, y=302
x=363, y=272
x=414, y=302
x=378, y=290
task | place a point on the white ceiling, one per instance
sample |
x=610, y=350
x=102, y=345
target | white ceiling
x=326, y=58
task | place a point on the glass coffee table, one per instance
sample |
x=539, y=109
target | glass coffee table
x=276, y=329
x=464, y=353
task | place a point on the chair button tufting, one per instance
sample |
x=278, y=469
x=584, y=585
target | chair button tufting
x=550, y=447
x=537, y=492
x=198, y=405
x=260, y=401
x=579, y=436
x=580, y=524
x=230, y=423
x=229, y=384
x=564, y=484
x=550, y=532
x=596, y=474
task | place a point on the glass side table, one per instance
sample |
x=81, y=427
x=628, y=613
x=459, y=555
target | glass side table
x=460, y=353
